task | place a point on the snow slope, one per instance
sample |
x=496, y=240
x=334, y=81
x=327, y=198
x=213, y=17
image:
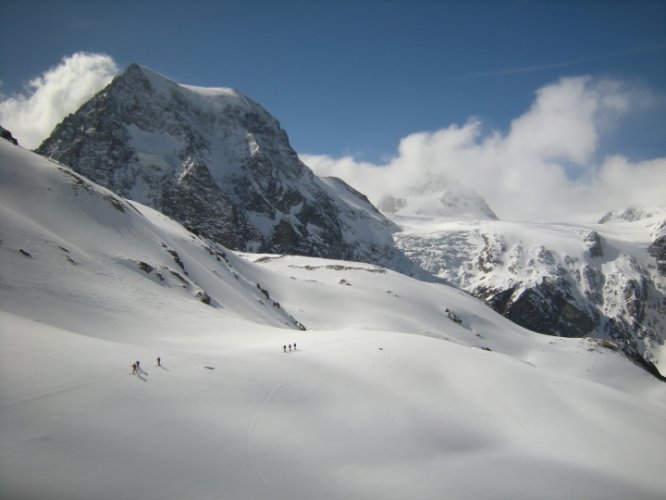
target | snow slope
x=398, y=389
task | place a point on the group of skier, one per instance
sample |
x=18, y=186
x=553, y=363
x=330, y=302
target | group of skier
x=136, y=366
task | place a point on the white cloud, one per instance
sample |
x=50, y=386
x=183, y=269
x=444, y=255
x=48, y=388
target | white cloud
x=634, y=183
x=542, y=168
x=32, y=115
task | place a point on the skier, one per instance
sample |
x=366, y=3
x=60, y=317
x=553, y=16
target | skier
x=158, y=361
x=294, y=346
x=138, y=367
x=284, y=348
x=289, y=347
x=133, y=368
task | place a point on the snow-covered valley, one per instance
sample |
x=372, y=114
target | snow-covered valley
x=397, y=388
x=221, y=165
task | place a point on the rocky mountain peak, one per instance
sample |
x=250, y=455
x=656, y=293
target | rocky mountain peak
x=218, y=162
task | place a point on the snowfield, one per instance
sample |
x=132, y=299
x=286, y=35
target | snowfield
x=398, y=389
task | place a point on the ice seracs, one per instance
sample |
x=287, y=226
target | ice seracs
x=603, y=280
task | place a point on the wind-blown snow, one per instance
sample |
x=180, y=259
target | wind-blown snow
x=398, y=389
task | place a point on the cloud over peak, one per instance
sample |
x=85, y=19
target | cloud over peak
x=542, y=168
x=48, y=98
x=546, y=165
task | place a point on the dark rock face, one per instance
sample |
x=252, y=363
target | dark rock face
x=196, y=201
x=217, y=162
x=594, y=244
x=7, y=135
x=549, y=307
x=658, y=250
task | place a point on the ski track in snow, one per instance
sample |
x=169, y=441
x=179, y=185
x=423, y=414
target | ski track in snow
x=62, y=390
x=253, y=421
x=248, y=460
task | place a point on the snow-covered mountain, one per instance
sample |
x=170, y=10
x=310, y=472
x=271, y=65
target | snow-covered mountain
x=220, y=164
x=397, y=389
x=603, y=280
x=437, y=195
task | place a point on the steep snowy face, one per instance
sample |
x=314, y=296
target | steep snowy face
x=603, y=280
x=220, y=164
x=71, y=245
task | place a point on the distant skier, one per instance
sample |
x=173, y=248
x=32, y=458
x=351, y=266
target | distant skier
x=158, y=361
x=138, y=367
x=289, y=347
x=284, y=348
x=133, y=368
x=294, y=346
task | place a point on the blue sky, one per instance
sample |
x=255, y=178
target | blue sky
x=532, y=103
x=354, y=77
